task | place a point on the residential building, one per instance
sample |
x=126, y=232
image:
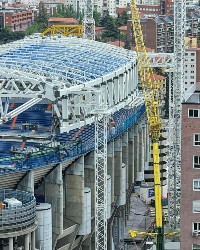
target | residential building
x=154, y=8
x=158, y=32
x=15, y=19
x=190, y=175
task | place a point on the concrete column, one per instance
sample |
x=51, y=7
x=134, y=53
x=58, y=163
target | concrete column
x=33, y=240
x=89, y=177
x=110, y=236
x=131, y=156
x=54, y=196
x=74, y=182
x=110, y=166
x=26, y=244
x=140, y=142
x=27, y=183
x=118, y=164
x=10, y=243
x=125, y=154
x=136, y=153
x=147, y=142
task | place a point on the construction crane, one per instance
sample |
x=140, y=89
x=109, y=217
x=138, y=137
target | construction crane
x=87, y=30
x=175, y=100
x=151, y=92
x=88, y=21
x=64, y=29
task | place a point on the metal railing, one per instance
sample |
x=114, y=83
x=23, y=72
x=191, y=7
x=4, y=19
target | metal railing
x=19, y=217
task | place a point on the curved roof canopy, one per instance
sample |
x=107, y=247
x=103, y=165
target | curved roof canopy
x=67, y=59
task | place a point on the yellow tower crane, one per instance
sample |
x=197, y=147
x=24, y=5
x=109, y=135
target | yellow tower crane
x=151, y=92
x=64, y=29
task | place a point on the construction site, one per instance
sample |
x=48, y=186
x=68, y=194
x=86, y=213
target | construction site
x=87, y=161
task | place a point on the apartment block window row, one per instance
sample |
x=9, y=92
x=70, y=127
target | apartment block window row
x=194, y=113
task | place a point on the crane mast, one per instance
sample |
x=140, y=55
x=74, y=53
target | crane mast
x=175, y=100
x=88, y=21
x=151, y=94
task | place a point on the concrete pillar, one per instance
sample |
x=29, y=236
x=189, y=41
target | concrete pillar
x=110, y=235
x=54, y=196
x=33, y=240
x=74, y=182
x=118, y=164
x=140, y=142
x=125, y=154
x=26, y=244
x=136, y=153
x=147, y=142
x=131, y=156
x=89, y=178
x=27, y=183
x=10, y=243
x=111, y=167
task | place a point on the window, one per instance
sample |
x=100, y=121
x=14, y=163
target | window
x=196, y=227
x=196, y=184
x=192, y=60
x=192, y=54
x=196, y=206
x=192, y=71
x=193, y=113
x=195, y=247
x=196, y=161
x=196, y=139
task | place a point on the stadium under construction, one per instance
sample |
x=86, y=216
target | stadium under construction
x=71, y=112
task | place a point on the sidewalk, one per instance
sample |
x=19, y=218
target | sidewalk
x=139, y=219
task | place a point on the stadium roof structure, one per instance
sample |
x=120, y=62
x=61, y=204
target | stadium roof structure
x=70, y=60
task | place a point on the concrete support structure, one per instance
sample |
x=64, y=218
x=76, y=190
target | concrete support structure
x=33, y=240
x=118, y=164
x=111, y=167
x=74, y=182
x=125, y=154
x=10, y=247
x=27, y=183
x=26, y=244
x=54, y=196
x=136, y=154
x=89, y=177
x=131, y=176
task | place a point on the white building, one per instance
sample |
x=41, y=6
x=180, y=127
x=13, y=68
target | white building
x=190, y=68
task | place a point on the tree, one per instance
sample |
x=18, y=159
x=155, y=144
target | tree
x=127, y=44
x=6, y=35
x=97, y=17
x=111, y=28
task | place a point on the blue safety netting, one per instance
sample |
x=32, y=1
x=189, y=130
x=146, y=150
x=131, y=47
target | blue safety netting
x=72, y=145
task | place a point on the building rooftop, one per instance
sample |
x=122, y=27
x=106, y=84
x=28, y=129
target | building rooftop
x=63, y=20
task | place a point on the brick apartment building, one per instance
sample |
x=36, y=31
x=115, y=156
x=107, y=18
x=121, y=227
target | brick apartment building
x=15, y=19
x=163, y=7
x=158, y=31
x=190, y=175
